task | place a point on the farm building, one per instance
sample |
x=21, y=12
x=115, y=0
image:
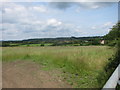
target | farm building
x=102, y=42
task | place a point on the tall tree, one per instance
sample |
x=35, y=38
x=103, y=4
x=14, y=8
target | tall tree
x=114, y=33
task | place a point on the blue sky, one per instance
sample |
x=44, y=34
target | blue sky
x=57, y=19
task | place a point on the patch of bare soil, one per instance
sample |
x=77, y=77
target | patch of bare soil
x=28, y=74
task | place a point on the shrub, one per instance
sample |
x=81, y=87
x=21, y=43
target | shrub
x=42, y=45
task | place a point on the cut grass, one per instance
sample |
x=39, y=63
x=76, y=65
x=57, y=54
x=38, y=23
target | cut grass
x=80, y=65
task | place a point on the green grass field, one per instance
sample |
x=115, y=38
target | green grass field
x=31, y=45
x=81, y=65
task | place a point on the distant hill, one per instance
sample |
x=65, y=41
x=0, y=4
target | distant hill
x=62, y=39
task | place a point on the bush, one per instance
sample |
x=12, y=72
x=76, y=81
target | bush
x=42, y=45
x=112, y=43
x=5, y=44
x=114, y=61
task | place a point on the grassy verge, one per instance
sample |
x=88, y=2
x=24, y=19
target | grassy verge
x=80, y=65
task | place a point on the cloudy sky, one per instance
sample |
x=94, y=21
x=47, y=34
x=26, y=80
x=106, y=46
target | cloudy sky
x=24, y=20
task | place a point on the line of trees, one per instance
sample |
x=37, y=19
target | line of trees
x=63, y=41
x=113, y=39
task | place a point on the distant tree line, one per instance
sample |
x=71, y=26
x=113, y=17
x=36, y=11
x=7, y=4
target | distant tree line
x=63, y=41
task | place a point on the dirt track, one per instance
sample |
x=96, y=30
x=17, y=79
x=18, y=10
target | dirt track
x=27, y=74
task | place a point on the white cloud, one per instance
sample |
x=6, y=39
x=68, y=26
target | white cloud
x=39, y=8
x=93, y=27
x=102, y=29
x=18, y=26
x=108, y=24
x=49, y=28
x=53, y=22
x=13, y=13
x=103, y=26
